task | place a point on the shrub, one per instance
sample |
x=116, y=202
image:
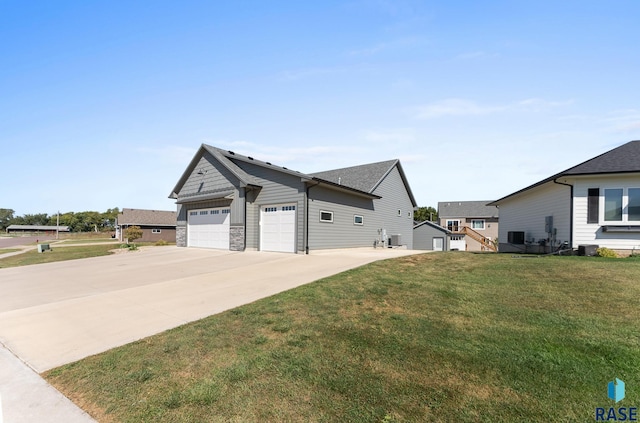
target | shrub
x=161, y=243
x=606, y=252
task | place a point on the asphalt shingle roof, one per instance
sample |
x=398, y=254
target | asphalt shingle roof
x=623, y=159
x=363, y=177
x=466, y=209
x=147, y=217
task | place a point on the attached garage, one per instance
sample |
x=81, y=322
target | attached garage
x=278, y=228
x=209, y=228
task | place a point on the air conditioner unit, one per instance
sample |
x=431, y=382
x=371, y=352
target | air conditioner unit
x=515, y=237
x=395, y=240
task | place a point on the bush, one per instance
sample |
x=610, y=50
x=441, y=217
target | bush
x=161, y=242
x=606, y=252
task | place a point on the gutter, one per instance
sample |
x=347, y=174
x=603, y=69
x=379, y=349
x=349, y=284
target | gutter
x=306, y=217
x=555, y=181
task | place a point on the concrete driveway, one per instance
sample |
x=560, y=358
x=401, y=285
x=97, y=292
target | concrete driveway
x=57, y=313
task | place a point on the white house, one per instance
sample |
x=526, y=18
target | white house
x=594, y=203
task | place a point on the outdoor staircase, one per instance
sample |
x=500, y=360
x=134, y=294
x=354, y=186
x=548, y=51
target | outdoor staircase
x=485, y=242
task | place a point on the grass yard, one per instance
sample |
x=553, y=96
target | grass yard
x=8, y=250
x=56, y=254
x=436, y=337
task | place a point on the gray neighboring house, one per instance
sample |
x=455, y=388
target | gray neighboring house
x=431, y=236
x=156, y=225
x=596, y=202
x=36, y=229
x=233, y=202
x=474, y=224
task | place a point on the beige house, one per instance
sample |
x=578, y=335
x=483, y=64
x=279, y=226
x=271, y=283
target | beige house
x=473, y=224
x=156, y=225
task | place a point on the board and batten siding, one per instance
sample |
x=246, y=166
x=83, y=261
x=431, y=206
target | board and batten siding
x=277, y=188
x=592, y=233
x=526, y=213
x=395, y=197
x=342, y=232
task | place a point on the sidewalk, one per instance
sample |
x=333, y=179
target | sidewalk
x=26, y=397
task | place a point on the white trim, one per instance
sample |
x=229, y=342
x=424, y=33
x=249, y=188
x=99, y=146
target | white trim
x=355, y=220
x=325, y=220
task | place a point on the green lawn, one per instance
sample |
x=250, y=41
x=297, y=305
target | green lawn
x=57, y=254
x=437, y=337
x=8, y=250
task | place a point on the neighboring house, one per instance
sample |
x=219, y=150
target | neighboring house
x=234, y=202
x=594, y=203
x=156, y=225
x=473, y=224
x=431, y=236
x=36, y=229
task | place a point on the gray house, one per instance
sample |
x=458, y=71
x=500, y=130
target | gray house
x=431, y=236
x=234, y=202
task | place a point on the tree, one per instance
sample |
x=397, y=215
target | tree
x=132, y=233
x=425, y=213
x=6, y=216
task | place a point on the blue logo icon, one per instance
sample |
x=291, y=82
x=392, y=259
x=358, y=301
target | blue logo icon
x=616, y=390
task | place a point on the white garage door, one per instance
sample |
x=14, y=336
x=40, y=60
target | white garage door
x=209, y=228
x=278, y=228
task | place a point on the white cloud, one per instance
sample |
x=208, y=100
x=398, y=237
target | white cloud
x=464, y=107
x=392, y=136
x=623, y=121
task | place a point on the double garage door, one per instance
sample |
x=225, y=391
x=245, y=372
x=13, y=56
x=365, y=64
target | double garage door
x=209, y=228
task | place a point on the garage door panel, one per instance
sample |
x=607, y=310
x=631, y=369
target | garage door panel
x=278, y=228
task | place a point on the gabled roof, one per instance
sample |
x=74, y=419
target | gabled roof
x=147, y=217
x=365, y=177
x=433, y=225
x=466, y=209
x=623, y=159
x=360, y=180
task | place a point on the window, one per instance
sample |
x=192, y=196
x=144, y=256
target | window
x=593, y=205
x=204, y=212
x=453, y=225
x=156, y=231
x=288, y=208
x=399, y=212
x=193, y=213
x=477, y=224
x=326, y=216
x=226, y=211
x=409, y=214
x=613, y=204
x=215, y=211
x=358, y=220
x=633, y=208
x=270, y=209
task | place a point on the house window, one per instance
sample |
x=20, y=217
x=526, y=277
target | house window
x=156, y=231
x=193, y=213
x=358, y=220
x=326, y=216
x=399, y=212
x=613, y=204
x=477, y=224
x=593, y=203
x=633, y=208
x=270, y=209
x=226, y=211
x=453, y=225
x=204, y=212
x=288, y=208
x=409, y=214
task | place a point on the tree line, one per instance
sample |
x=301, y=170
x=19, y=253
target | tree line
x=87, y=221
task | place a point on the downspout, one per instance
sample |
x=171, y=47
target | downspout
x=306, y=217
x=555, y=181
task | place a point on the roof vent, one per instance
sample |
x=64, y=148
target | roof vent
x=250, y=158
x=284, y=168
x=231, y=152
x=268, y=163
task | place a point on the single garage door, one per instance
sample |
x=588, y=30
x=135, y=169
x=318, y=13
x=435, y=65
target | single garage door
x=209, y=228
x=278, y=228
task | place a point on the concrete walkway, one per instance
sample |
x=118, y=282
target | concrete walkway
x=56, y=313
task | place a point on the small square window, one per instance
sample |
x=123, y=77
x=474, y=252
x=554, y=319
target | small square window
x=399, y=212
x=326, y=216
x=358, y=220
x=156, y=231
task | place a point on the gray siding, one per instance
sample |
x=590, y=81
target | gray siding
x=395, y=197
x=216, y=178
x=423, y=238
x=277, y=188
x=341, y=233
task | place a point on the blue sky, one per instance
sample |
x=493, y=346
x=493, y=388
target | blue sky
x=103, y=104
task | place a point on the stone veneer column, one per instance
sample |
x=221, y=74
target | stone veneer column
x=181, y=236
x=236, y=238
